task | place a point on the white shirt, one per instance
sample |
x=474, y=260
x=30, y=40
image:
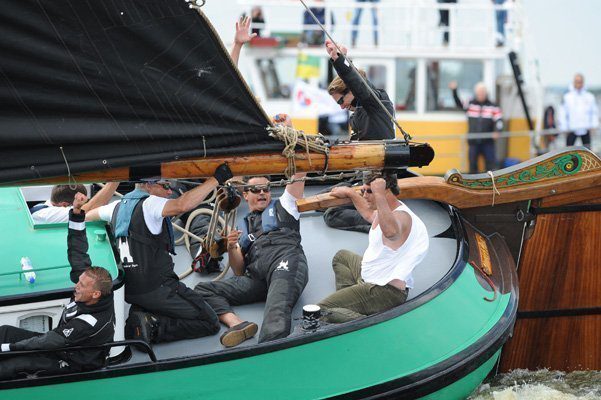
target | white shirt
x=579, y=112
x=152, y=208
x=51, y=214
x=381, y=264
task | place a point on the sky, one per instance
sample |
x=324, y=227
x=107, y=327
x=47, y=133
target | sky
x=566, y=35
x=567, y=39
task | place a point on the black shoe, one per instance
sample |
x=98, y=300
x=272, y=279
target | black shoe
x=141, y=325
x=238, y=334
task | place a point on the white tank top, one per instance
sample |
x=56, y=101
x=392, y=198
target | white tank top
x=381, y=264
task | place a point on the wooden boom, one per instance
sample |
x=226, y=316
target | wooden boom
x=549, y=175
x=342, y=157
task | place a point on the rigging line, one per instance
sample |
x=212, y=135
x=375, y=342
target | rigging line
x=495, y=190
x=71, y=177
x=406, y=136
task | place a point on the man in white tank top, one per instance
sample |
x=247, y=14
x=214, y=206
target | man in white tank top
x=398, y=242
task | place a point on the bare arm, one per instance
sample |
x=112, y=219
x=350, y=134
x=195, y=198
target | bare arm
x=242, y=36
x=297, y=189
x=189, y=200
x=102, y=197
x=394, y=226
x=358, y=201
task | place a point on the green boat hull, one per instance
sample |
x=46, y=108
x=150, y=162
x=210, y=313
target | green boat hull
x=431, y=350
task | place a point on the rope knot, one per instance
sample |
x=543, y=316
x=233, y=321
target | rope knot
x=291, y=138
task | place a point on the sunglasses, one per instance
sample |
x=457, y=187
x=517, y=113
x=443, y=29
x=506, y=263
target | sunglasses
x=341, y=99
x=165, y=186
x=363, y=191
x=257, y=190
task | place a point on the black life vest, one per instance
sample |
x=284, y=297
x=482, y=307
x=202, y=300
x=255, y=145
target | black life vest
x=151, y=264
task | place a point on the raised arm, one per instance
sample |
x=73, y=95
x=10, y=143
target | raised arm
x=350, y=76
x=242, y=36
x=358, y=201
x=395, y=226
x=77, y=241
x=192, y=198
x=102, y=197
x=458, y=102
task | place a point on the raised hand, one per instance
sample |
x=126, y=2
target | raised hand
x=79, y=200
x=378, y=186
x=242, y=31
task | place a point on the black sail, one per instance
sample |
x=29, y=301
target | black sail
x=110, y=83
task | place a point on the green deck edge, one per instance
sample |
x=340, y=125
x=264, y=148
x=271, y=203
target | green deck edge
x=414, y=341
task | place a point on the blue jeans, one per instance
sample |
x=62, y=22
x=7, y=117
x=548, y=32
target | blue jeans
x=357, y=17
x=487, y=149
x=501, y=17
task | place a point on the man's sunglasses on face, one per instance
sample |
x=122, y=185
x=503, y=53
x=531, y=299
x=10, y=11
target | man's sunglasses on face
x=165, y=186
x=341, y=99
x=363, y=191
x=257, y=190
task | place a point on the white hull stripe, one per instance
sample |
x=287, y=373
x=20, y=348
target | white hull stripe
x=78, y=226
x=88, y=318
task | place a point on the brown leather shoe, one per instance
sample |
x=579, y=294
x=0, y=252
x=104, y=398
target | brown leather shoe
x=238, y=334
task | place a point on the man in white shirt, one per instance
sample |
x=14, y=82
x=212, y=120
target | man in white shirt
x=398, y=242
x=57, y=209
x=268, y=262
x=579, y=113
x=163, y=308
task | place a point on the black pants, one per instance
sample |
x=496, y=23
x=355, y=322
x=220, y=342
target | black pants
x=586, y=139
x=22, y=366
x=486, y=148
x=278, y=278
x=346, y=218
x=182, y=313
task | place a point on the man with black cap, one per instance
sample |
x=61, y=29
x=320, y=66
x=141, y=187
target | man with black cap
x=87, y=320
x=163, y=308
x=398, y=242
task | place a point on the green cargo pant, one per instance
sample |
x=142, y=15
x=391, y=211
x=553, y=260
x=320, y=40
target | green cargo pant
x=355, y=298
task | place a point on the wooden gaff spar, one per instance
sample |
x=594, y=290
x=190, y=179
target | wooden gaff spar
x=342, y=157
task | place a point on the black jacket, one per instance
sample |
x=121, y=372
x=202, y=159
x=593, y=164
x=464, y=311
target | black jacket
x=80, y=324
x=369, y=121
x=482, y=117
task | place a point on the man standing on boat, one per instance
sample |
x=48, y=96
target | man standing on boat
x=163, y=308
x=268, y=262
x=88, y=319
x=579, y=113
x=398, y=242
x=483, y=116
x=368, y=122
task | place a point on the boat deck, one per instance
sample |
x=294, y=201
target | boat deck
x=320, y=244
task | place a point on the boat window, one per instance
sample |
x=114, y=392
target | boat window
x=441, y=73
x=405, y=85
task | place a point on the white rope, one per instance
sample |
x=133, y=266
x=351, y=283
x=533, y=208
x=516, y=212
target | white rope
x=494, y=187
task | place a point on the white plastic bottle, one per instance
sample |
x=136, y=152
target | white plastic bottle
x=26, y=266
